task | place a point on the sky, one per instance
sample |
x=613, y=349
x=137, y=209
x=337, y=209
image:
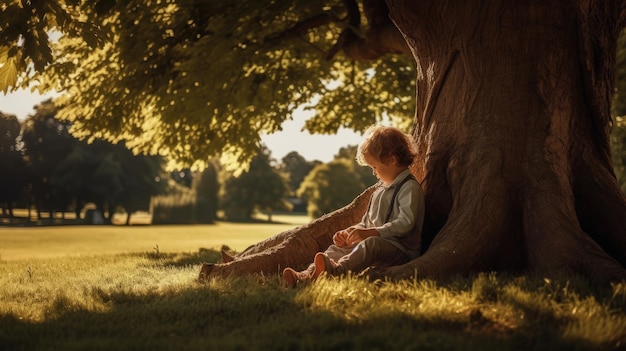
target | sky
x=291, y=138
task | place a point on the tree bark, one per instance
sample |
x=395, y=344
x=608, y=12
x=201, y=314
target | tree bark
x=512, y=124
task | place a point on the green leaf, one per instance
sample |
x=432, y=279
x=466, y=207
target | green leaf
x=8, y=70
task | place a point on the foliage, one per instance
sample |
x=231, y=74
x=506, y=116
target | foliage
x=206, y=186
x=195, y=205
x=296, y=167
x=174, y=208
x=261, y=188
x=12, y=167
x=363, y=174
x=331, y=186
x=64, y=171
x=188, y=79
x=152, y=301
x=47, y=143
x=25, y=35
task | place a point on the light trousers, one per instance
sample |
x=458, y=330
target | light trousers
x=371, y=251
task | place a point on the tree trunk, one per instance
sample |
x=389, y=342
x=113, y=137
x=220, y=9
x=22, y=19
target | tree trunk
x=512, y=125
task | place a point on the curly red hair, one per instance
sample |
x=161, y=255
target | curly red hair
x=383, y=143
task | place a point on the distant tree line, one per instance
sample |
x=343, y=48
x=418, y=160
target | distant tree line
x=294, y=184
x=191, y=197
x=45, y=169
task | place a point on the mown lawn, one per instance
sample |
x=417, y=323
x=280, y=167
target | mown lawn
x=60, y=241
x=148, y=299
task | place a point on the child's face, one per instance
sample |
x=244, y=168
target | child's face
x=385, y=172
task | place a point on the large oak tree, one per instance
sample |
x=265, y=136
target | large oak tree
x=511, y=112
x=512, y=124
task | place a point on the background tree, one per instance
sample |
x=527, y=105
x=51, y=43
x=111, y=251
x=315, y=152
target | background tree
x=331, y=186
x=141, y=176
x=296, y=167
x=363, y=174
x=182, y=176
x=12, y=168
x=206, y=186
x=47, y=142
x=66, y=172
x=261, y=188
x=73, y=174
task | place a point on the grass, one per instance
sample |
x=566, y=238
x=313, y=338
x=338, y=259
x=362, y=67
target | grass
x=60, y=241
x=148, y=299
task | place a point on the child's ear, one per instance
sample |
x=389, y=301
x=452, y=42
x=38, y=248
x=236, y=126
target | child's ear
x=393, y=161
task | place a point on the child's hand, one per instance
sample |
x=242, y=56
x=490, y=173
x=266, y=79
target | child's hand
x=357, y=235
x=340, y=237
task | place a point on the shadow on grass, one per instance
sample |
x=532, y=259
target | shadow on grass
x=245, y=314
x=199, y=318
x=205, y=318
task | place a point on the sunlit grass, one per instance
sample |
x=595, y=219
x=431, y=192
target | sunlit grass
x=61, y=241
x=153, y=301
x=149, y=299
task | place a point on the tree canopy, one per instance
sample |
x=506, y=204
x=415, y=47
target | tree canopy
x=189, y=79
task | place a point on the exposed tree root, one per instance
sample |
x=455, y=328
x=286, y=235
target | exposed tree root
x=293, y=248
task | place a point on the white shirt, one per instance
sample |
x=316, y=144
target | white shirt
x=407, y=214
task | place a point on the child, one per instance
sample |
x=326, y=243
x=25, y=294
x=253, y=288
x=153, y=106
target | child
x=390, y=231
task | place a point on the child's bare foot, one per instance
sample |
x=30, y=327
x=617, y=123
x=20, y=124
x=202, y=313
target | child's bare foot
x=291, y=277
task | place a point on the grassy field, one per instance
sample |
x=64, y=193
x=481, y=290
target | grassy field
x=114, y=291
x=59, y=241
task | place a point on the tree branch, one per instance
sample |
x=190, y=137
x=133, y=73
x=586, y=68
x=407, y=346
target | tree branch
x=302, y=27
x=381, y=37
x=354, y=22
